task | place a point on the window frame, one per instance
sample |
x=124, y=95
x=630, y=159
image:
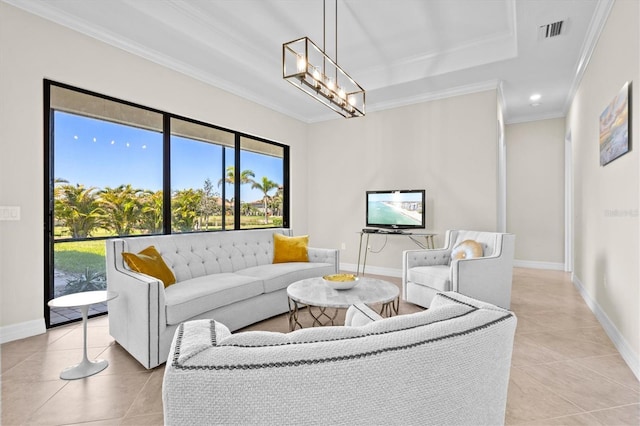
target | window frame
x=49, y=180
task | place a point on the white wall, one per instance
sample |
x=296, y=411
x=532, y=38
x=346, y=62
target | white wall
x=448, y=147
x=32, y=49
x=606, y=222
x=535, y=191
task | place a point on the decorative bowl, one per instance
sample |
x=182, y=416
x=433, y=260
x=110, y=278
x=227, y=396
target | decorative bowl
x=341, y=281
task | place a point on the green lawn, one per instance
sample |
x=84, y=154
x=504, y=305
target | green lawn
x=75, y=257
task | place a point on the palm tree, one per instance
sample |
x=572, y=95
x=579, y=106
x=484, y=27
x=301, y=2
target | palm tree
x=276, y=202
x=265, y=186
x=150, y=219
x=184, y=208
x=246, y=176
x=121, y=207
x=77, y=208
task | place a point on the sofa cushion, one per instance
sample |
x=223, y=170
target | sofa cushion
x=279, y=275
x=436, y=276
x=290, y=249
x=149, y=262
x=184, y=300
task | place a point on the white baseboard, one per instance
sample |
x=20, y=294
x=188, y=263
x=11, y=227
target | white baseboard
x=393, y=272
x=538, y=265
x=374, y=270
x=9, y=333
x=631, y=358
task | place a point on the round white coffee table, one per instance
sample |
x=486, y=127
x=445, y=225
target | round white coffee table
x=83, y=301
x=318, y=296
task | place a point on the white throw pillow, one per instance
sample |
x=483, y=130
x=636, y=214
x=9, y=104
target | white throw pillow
x=468, y=249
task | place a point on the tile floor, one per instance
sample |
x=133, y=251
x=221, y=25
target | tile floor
x=63, y=315
x=565, y=370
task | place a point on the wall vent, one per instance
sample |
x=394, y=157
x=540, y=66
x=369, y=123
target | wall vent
x=551, y=30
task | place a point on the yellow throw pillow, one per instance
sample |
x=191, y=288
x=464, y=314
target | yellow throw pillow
x=468, y=249
x=149, y=262
x=290, y=249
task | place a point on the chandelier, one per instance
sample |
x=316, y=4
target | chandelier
x=310, y=69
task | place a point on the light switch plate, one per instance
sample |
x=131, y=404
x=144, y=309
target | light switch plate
x=9, y=212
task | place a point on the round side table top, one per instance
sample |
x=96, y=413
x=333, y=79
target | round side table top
x=84, y=298
x=315, y=292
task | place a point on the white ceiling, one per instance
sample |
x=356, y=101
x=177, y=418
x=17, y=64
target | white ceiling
x=400, y=51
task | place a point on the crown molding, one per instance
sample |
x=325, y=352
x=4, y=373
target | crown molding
x=536, y=117
x=433, y=96
x=598, y=21
x=44, y=11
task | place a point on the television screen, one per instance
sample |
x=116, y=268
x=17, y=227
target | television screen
x=403, y=209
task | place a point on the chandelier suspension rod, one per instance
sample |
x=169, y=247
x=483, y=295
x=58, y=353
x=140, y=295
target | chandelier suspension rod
x=336, y=40
x=324, y=34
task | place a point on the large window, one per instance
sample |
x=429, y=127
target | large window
x=119, y=169
x=261, y=183
x=199, y=195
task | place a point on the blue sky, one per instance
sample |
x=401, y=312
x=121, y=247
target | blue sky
x=101, y=154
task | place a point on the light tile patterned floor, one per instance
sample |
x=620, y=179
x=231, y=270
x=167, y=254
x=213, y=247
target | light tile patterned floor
x=565, y=370
x=64, y=315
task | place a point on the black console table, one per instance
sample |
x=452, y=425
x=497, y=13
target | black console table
x=366, y=233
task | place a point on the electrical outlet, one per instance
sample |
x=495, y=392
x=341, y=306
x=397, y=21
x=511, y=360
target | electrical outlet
x=343, y=246
x=9, y=212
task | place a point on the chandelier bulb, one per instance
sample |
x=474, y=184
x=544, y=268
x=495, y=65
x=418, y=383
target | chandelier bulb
x=301, y=63
x=331, y=84
x=316, y=74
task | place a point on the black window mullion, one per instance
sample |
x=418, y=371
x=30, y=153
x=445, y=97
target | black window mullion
x=236, y=187
x=166, y=174
x=223, y=194
x=285, y=188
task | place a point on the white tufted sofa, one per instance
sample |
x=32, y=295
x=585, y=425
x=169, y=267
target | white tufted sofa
x=448, y=365
x=226, y=276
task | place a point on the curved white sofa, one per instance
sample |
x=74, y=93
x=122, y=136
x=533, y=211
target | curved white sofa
x=448, y=365
x=227, y=276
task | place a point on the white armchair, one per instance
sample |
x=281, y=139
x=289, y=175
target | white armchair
x=487, y=278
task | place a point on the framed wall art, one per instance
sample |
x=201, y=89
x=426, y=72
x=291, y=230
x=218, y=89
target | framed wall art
x=614, y=127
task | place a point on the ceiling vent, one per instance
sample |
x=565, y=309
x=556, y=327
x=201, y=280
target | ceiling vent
x=552, y=30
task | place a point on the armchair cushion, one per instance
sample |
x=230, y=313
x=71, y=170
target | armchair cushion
x=468, y=249
x=437, y=277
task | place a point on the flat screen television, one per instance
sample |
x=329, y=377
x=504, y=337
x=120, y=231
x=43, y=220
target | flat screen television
x=396, y=209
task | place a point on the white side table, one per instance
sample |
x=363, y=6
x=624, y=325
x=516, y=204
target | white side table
x=83, y=301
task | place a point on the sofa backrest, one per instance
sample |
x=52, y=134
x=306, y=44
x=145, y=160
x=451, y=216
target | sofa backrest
x=447, y=365
x=196, y=254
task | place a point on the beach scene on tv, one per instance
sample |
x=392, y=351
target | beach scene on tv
x=397, y=208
